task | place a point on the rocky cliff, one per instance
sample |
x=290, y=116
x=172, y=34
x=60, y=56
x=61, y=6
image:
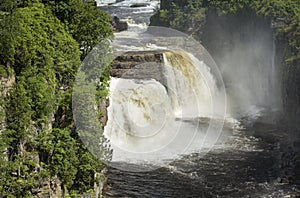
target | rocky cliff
x=222, y=32
x=219, y=29
x=6, y=82
x=139, y=65
x=48, y=187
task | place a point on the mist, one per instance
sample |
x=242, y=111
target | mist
x=245, y=52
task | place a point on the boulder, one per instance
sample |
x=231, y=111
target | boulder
x=139, y=65
x=118, y=25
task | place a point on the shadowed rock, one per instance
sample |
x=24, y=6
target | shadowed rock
x=118, y=25
x=144, y=65
x=138, y=5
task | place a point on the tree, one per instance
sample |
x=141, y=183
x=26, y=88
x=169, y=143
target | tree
x=44, y=57
x=87, y=24
x=64, y=157
x=41, y=42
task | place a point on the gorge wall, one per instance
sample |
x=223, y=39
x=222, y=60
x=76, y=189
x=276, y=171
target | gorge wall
x=247, y=34
x=244, y=40
x=244, y=47
x=49, y=187
x=139, y=65
x=247, y=39
x=6, y=82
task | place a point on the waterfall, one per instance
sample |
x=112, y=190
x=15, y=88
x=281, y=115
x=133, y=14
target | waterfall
x=104, y=2
x=197, y=87
x=275, y=79
x=150, y=120
x=251, y=77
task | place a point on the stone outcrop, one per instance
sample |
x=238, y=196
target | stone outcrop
x=103, y=110
x=5, y=84
x=49, y=188
x=118, y=25
x=139, y=65
x=138, y=5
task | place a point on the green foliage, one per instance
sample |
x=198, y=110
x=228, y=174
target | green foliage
x=286, y=9
x=293, y=32
x=90, y=26
x=8, y=6
x=87, y=122
x=230, y=6
x=2, y=113
x=64, y=159
x=5, y=71
x=88, y=166
x=37, y=39
x=181, y=15
x=87, y=24
x=19, y=177
x=18, y=114
x=41, y=42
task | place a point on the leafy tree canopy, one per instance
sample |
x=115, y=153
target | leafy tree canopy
x=43, y=42
x=182, y=14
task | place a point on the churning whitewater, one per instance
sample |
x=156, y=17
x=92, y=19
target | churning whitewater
x=177, y=134
x=150, y=121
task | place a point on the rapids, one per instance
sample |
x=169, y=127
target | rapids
x=148, y=121
x=194, y=135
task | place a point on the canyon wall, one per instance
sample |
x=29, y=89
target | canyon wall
x=244, y=39
x=144, y=65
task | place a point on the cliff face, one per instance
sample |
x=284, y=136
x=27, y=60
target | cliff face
x=244, y=47
x=222, y=34
x=6, y=82
x=139, y=65
x=219, y=32
x=48, y=187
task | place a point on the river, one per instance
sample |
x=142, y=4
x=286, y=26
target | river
x=251, y=158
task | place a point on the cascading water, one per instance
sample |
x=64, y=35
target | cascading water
x=150, y=121
x=104, y=2
x=158, y=120
x=194, y=89
x=247, y=61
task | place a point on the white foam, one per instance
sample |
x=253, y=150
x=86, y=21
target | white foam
x=128, y=3
x=104, y=2
x=143, y=11
x=143, y=116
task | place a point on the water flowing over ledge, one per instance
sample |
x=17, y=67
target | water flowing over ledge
x=245, y=159
x=150, y=120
